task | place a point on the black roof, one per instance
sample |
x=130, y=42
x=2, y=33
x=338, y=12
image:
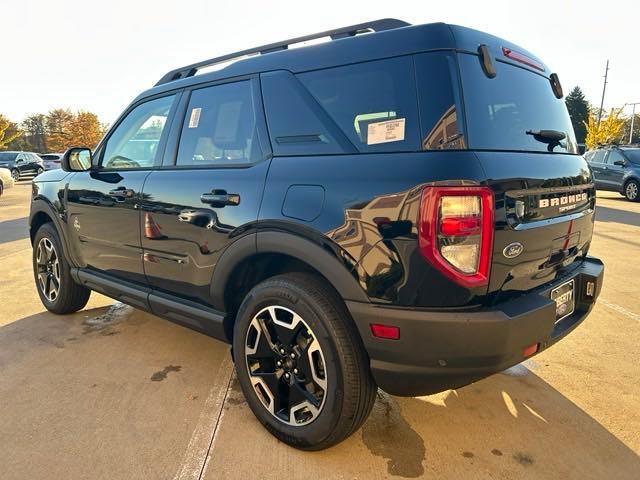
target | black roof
x=399, y=38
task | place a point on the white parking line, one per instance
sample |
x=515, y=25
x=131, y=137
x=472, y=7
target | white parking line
x=619, y=309
x=198, y=448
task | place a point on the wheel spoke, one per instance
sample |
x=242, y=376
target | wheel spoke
x=286, y=365
x=289, y=336
x=47, y=286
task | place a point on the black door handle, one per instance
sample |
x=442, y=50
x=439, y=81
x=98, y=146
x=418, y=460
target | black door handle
x=122, y=192
x=220, y=198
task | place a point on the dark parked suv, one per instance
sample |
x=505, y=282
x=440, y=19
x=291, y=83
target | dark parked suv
x=401, y=207
x=21, y=164
x=616, y=169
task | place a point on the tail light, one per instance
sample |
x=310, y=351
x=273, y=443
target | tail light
x=456, y=232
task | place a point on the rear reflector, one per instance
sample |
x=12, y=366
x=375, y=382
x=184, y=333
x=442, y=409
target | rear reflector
x=530, y=350
x=388, y=332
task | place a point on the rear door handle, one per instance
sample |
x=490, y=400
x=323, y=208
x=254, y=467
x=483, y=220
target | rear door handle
x=220, y=198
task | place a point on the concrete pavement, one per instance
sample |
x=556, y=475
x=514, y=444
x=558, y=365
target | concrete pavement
x=112, y=392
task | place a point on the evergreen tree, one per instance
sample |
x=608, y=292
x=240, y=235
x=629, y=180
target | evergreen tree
x=579, y=112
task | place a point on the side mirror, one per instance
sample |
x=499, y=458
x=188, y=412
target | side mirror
x=76, y=159
x=620, y=163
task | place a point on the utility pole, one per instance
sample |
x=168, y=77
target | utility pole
x=604, y=89
x=633, y=116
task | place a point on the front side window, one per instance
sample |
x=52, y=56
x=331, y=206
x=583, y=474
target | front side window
x=374, y=103
x=134, y=142
x=220, y=127
x=614, y=156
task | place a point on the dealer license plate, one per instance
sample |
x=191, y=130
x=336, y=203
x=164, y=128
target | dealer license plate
x=565, y=300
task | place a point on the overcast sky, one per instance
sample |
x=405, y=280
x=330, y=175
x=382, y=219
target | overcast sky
x=98, y=55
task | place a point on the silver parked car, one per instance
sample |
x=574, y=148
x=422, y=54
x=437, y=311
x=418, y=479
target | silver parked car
x=6, y=180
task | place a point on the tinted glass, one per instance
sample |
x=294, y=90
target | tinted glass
x=633, y=156
x=220, y=127
x=439, y=109
x=8, y=156
x=134, y=142
x=598, y=156
x=50, y=157
x=614, y=156
x=374, y=103
x=297, y=124
x=501, y=110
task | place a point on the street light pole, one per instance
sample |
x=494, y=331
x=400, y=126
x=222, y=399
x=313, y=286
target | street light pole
x=633, y=117
x=604, y=88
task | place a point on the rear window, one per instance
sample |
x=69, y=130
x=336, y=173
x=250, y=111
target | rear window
x=501, y=110
x=374, y=103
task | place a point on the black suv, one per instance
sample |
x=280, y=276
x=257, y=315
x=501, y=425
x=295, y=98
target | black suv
x=401, y=206
x=616, y=169
x=21, y=164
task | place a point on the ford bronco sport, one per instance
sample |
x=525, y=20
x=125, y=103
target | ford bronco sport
x=399, y=207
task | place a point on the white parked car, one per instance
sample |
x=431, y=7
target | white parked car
x=51, y=160
x=6, y=180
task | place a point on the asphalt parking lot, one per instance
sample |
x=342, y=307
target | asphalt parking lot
x=112, y=392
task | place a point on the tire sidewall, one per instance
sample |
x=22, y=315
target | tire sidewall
x=274, y=292
x=15, y=174
x=48, y=231
x=637, y=198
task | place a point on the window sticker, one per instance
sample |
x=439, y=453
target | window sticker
x=194, y=119
x=384, y=132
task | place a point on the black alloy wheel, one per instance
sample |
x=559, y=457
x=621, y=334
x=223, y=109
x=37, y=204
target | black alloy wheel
x=286, y=365
x=300, y=361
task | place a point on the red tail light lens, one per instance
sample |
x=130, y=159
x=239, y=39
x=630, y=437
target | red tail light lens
x=522, y=58
x=456, y=232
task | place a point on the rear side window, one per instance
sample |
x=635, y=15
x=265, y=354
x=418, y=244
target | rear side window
x=598, y=156
x=440, y=112
x=220, y=127
x=374, y=103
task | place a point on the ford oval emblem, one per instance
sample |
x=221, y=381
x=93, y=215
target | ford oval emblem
x=513, y=250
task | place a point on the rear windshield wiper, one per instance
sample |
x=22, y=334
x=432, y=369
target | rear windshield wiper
x=551, y=137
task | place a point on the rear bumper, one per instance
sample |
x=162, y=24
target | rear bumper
x=438, y=350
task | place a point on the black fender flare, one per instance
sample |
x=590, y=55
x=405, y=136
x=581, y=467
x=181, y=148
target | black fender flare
x=42, y=205
x=322, y=259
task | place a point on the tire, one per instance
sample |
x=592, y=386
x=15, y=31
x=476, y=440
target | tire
x=15, y=174
x=39, y=171
x=1, y=188
x=50, y=267
x=331, y=367
x=632, y=191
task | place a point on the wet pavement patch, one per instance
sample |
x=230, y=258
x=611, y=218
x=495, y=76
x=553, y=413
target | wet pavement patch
x=523, y=459
x=162, y=374
x=115, y=314
x=387, y=434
